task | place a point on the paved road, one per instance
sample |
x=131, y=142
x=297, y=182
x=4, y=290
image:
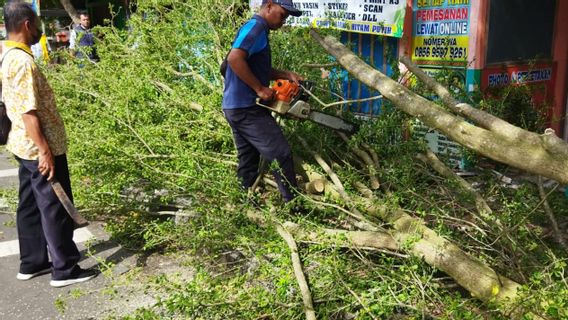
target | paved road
x=35, y=299
x=8, y=171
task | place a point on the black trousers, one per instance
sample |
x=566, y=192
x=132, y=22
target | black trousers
x=256, y=133
x=42, y=222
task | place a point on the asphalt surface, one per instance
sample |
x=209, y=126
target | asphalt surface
x=35, y=299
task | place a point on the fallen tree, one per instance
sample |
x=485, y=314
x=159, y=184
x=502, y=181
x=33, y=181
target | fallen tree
x=545, y=154
x=412, y=235
x=147, y=117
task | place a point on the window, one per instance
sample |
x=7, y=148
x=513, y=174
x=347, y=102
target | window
x=520, y=30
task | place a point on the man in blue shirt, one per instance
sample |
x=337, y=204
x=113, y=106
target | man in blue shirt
x=247, y=78
x=82, y=40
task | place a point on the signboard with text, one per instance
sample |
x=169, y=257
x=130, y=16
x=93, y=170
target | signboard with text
x=540, y=76
x=437, y=142
x=383, y=17
x=440, y=32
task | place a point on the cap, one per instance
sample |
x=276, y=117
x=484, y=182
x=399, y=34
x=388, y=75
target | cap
x=288, y=5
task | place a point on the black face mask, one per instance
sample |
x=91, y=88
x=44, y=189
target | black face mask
x=36, y=36
x=35, y=32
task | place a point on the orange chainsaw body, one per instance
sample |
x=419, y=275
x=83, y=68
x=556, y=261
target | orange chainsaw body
x=290, y=99
x=284, y=93
x=285, y=90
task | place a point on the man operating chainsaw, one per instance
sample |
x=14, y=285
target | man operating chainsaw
x=38, y=140
x=247, y=78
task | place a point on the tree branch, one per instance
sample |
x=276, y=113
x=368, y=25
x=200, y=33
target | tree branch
x=525, y=153
x=551, y=216
x=297, y=264
x=71, y=11
x=482, y=118
x=369, y=163
x=482, y=207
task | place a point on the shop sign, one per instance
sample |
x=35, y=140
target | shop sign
x=440, y=32
x=381, y=17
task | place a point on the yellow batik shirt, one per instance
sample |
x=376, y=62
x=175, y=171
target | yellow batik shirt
x=25, y=88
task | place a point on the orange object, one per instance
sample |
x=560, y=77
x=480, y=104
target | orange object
x=61, y=36
x=286, y=90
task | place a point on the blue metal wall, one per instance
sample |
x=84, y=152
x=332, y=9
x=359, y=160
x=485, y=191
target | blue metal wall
x=374, y=50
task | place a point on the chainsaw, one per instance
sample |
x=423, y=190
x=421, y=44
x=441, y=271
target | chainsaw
x=290, y=99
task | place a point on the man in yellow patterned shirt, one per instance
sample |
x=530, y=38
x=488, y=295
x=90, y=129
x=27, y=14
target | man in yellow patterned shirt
x=39, y=142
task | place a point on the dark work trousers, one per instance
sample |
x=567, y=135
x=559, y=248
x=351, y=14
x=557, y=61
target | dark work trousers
x=256, y=133
x=43, y=224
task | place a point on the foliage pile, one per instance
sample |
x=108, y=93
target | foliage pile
x=147, y=132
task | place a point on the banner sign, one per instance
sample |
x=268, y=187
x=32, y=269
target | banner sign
x=440, y=32
x=383, y=17
x=540, y=75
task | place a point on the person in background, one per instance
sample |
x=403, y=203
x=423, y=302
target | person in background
x=247, y=78
x=82, y=39
x=39, y=143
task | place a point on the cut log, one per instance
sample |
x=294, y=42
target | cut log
x=316, y=186
x=311, y=174
x=334, y=178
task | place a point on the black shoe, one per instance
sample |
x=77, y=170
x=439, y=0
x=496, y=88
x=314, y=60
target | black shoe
x=23, y=276
x=78, y=275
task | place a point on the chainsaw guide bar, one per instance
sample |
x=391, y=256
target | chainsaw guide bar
x=290, y=99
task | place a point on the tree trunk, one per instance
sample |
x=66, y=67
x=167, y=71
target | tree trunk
x=68, y=6
x=546, y=156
